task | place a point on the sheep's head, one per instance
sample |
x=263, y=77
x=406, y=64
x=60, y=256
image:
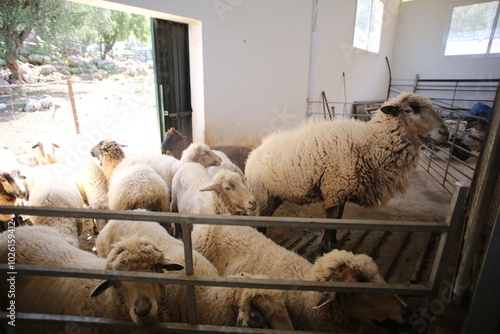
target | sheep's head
x=201, y=154
x=420, y=117
x=107, y=148
x=142, y=300
x=262, y=308
x=12, y=184
x=231, y=189
x=174, y=143
x=387, y=310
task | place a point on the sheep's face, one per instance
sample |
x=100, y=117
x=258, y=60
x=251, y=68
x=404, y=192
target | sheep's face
x=142, y=300
x=386, y=310
x=12, y=184
x=231, y=188
x=174, y=143
x=261, y=308
x=420, y=117
x=105, y=148
x=206, y=157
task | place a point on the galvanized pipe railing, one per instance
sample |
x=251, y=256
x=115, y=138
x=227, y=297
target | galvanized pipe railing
x=430, y=290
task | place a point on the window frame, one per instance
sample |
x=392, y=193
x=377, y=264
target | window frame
x=381, y=29
x=488, y=54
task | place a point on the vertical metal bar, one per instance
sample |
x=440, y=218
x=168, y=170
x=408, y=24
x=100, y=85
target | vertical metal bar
x=415, y=85
x=455, y=212
x=313, y=49
x=189, y=268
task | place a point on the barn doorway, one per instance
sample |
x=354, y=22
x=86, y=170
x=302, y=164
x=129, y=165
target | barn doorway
x=172, y=76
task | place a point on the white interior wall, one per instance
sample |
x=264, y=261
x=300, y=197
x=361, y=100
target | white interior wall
x=251, y=59
x=419, y=45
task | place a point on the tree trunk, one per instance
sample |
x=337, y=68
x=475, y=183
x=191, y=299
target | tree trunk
x=16, y=76
x=107, y=48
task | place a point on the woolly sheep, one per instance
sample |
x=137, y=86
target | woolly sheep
x=175, y=143
x=341, y=161
x=48, y=190
x=214, y=305
x=131, y=186
x=232, y=249
x=238, y=154
x=226, y=163
x=166, y=166
x=93, y=187
x=195, y=192
x=139, y=302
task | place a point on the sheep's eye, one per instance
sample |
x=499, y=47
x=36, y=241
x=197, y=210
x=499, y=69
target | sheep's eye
x=228, y=188
x=22, y=177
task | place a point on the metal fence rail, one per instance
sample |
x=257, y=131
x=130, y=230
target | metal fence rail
x=447, y=229
x=453, y=98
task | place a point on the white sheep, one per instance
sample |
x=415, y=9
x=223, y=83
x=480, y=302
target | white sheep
x=40, y=245
x=93, y=187
x=341, y=161
x=135, y=186
x=214, y=305
x=195, y=192
x=166, y=166
x=48, y=189
x=232, y=249
x=226, y=163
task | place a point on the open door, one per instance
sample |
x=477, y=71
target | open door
x=173, y=87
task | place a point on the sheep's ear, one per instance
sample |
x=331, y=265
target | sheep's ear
x=55, y=145
x=326, y=298
x=36, y=145
x=101, y=287
x=212, y=187
x=390, y=110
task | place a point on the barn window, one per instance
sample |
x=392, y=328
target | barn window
x=474, y=30
x=368, y=25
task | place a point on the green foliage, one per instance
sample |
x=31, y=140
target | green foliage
x=41, y=49
x=74, y=70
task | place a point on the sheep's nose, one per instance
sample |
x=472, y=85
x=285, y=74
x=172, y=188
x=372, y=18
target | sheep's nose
x=142, y=306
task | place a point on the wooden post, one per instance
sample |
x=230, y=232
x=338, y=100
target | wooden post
x=73, y=106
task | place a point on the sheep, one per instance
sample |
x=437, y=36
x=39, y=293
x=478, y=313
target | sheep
x=195, y=192
x=93, y=187
x=175, y=142
x=226, y=163
x=11, y=189
x=131, y=186
x=335, y=162
x=238, y=154
x=214, y=305
x=233, y=249
x=139, y=302
x=48, y=189
x=166, y=166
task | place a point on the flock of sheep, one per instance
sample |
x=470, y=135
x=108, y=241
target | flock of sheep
x=331, y=162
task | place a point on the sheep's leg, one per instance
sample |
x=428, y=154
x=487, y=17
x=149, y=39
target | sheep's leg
x=329, y=240
x=272, y=205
